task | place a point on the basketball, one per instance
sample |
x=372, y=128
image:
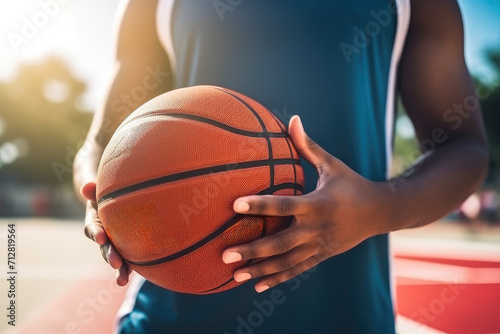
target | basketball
x=169, y=176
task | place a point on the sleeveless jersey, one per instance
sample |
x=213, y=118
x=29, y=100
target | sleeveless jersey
x=334, y=64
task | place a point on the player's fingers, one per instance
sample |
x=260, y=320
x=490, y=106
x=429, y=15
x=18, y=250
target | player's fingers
x=270, y=205
x=111, y=256
x=306, y=147
x=275, y=279
x=93, y=228
x=96, y=233
x=275, y=244
x=86, y=230
x=275, y=264
x=122, y=274
x=88, y=191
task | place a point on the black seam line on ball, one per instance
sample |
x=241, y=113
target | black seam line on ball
x=224, y=126
x=264, y=128
x=233, y=220
x=219, y=286
x=290, y=150
x=210, y=121
x=226, y=282
x=194, y=173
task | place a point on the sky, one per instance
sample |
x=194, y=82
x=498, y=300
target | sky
x=482, y=31
x=81, y=32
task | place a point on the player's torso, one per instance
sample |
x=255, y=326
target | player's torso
x=327, y=61
x=330, y=62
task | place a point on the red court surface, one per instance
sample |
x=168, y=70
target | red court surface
x=87, y=307
x=443, y=285
x=450, y=286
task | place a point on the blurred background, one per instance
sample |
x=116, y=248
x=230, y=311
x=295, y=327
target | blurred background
x=55, y=58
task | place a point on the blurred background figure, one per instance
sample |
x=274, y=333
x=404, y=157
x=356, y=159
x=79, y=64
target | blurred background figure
x=481, y=209
x=470, y=210
x=490, y=205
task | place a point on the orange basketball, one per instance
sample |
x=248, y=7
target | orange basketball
x=170, y=174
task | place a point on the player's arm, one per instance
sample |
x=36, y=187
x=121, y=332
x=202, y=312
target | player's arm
x=141, y=72
x=440, y=99
x=346, y=208
x=138, y=54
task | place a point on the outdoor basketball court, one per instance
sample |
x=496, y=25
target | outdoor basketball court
x=448, y=280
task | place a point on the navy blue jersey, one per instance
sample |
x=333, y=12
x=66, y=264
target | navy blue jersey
x=334, y=64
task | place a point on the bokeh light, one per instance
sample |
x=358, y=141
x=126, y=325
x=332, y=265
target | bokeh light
x=8, y=153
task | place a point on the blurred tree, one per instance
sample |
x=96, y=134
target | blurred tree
x=42, y=123
x=405, y=146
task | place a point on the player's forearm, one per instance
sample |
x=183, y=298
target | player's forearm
x=104, y=122
x=437, y=183
x=85, y=165
x=134, y=81
x=108, y=115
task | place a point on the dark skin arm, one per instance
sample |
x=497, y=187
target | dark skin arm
x=138, y=53
x=346, y=208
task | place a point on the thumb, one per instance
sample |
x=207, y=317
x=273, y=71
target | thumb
x=307, y=148
x=88, y=191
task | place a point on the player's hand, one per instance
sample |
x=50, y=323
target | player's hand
x=343, y=210
x=95, y=231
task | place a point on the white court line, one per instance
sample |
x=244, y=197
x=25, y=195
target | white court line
x=445, y=273
x=407, y=326
x=70, y=271
x=447, y=249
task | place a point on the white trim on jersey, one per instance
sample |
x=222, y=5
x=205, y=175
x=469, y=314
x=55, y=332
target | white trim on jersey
x=403, y=8
x=404, y=14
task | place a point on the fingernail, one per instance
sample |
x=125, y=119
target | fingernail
x=241, y=206
x=232, y=257
x=242, y=277
x=300, y=124
x=262, y=288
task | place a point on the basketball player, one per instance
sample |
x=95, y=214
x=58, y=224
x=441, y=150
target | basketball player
x=338, y=65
